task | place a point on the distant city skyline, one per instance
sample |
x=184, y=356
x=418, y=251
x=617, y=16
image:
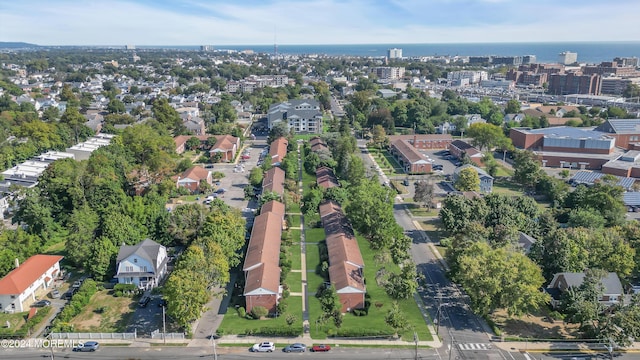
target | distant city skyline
x=253, y=22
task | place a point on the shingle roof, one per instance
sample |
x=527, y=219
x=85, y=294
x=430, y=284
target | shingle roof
x=264, y=244
x=195, y=173
x=620, y=126
x=264, y=279
x=278, y=149
x=19, y=279
x=147, y=249
x=611, y=282
x=325, y=178
x=274, y=181
x=273, y=206
x=410, y=153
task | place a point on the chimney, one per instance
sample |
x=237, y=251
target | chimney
x=17, y=262
x=415, y=139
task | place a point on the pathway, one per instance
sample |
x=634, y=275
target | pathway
x=303, y=255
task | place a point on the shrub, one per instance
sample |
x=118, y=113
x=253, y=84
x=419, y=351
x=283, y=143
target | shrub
x=259, y=311
x=242, y=312
x=362, y=332
x=275, y=331
x=360, y=312
x=286, y=293
x=282, y=307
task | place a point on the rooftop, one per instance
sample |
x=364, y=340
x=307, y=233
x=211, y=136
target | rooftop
x=567, y=132
x=19, y=279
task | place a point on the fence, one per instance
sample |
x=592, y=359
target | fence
x=158, y=335
x=94, y=336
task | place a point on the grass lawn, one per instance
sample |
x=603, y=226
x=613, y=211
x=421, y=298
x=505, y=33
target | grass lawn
x=417, y=210
x=56, y=249
x=16, y=321
x=314, y=235
x=308, y=180
x=380, y=304
x=442, y=250
x=293, y=207
x=294, y=280
x=313, y=261
x=114, y=318
x=295, y=220
x=507, y=187
x=294, y=251
x=305, y=137
x=295, y=235
x=393, y=162
x=234, y=324
x=431, y=227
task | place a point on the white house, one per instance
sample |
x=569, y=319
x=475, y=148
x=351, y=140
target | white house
x=143, y=264
x=24, y=284
x=486, y=180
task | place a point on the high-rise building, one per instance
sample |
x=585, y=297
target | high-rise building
x=394, y=53
x=130, y=47
x=627, y=61
x=206, y=48
x=574, y=83
x=388, y=73
x=567, y=57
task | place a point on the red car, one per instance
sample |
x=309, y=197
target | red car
x=320, y=348
x=246, y=157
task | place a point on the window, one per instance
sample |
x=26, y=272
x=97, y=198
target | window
x=634, y=138
x=144, y=269
x=135, y=260
x=128, y=268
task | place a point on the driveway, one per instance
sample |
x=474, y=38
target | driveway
x=147, y=319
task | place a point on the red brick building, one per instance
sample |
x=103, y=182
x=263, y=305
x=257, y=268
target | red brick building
x=261, y=264
x=278, y=150
x=460, y=148
x=411, y=160
x=424, y=141
x=192, y=177
x=346, y=266
x=273, y=181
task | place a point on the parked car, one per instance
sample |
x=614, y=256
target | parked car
x=144, y=301
x=162, y=303
x=221, y=191
x=41, y=303
x=320, y=348
x=69, y=294
x=297, y=347
x=266, y=346
x=246, y=157
x=55, y=294
x=438, y=167
x=76, y=284
x=88, y=346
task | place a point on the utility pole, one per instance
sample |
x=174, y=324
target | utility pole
x=164, y=325
x=415, y=338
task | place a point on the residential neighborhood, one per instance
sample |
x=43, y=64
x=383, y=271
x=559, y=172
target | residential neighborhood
x=264, y=201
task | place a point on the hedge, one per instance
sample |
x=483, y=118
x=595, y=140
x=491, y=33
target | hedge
x=76, y=305
x=275, y=331
x=355, y=332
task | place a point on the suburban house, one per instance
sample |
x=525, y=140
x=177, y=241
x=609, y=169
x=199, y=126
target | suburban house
x=192, y=177
x=301, y=115
x=613, y=291
x=143, y=264
x=411, y=160
x=273, y=181
x=181, y=141
x=346, y=265
x=325, y=178
x=486, y=180
x=227, y=146
x=460, y=149
x=262, y=262
x=278, y=150
x=525, y=242
x=27, y=282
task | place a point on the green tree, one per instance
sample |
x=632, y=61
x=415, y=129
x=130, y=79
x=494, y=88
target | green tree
x=631, y=91
x=487, y=136
x=468, y=180
x=403, y=285
x=82, y=225
x=500, y=279
x=512, y=107
x=424, y=193
x=116, y=106
x=396, y=319
x=379, y=136
x=527, y=171
x=193, y=143
x=256, y=175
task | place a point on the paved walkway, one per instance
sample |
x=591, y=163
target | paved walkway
x=303, y=256
x=211, y=319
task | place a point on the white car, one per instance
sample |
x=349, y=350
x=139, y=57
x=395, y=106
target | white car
x=266, y=346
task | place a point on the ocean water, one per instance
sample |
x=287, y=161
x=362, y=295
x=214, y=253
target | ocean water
x=589, y=52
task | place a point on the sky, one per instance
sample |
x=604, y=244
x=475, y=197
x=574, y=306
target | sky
x=263, y=22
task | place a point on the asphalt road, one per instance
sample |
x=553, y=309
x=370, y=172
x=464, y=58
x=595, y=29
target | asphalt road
x=240, y=353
